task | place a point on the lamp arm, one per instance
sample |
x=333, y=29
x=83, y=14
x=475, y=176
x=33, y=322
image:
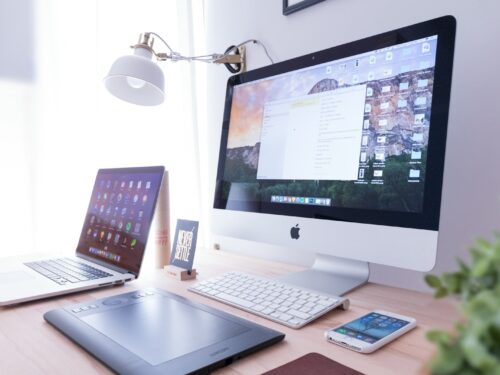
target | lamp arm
x=145, y=41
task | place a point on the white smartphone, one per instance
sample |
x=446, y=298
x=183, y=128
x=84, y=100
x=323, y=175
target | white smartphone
x=371, y=331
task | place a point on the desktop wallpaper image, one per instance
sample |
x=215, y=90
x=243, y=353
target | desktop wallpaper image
x=399, y=102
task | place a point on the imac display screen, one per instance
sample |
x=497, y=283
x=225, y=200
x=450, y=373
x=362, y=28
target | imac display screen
x=339, y=135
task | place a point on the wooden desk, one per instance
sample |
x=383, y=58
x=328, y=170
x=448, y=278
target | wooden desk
x=29, y=345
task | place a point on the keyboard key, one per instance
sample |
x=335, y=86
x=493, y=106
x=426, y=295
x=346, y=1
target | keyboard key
x=296, y=321
x=236, y=300
x=267, y=311
x=316, y=310
x=299, y=314
x=285, y=317
x=323, y=302
x=258, y=308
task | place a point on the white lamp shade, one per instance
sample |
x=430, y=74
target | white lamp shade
x=136, y=79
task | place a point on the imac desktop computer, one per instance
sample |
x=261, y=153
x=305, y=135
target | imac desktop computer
x=341, y=153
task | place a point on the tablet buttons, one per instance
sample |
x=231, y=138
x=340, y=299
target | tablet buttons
x=142, y=294
x=114, y=301
x=84, y=308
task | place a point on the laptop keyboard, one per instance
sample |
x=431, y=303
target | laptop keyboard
x=66, y=270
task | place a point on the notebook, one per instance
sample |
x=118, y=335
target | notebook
x=111, y=244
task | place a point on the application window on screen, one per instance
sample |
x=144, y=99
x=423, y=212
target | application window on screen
x=329, y=135
x=324, y=126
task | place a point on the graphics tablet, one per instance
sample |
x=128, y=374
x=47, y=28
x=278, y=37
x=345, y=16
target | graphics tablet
x=152, y=331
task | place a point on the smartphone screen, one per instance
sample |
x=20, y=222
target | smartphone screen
x=371, y=327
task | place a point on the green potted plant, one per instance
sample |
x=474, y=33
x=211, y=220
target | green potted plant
x=474, y=346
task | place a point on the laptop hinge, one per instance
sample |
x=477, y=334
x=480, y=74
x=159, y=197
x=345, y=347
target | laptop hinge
x=104, y=264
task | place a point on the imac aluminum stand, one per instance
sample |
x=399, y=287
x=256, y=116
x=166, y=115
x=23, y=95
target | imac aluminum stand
x=330, y=274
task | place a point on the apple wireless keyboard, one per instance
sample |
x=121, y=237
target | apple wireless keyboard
x=283, y=303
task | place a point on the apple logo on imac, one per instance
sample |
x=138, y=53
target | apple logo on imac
x=294, y=232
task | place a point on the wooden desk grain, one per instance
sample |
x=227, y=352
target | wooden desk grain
x=28, y=345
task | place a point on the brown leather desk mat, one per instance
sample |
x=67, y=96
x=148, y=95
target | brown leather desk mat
x=313, y=363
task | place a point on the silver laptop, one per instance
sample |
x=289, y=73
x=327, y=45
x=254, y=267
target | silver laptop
x=111, y=245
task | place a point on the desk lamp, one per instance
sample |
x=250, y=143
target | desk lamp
x=138, y=80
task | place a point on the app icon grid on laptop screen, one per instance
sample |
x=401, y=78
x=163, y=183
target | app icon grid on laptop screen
x=119, y=216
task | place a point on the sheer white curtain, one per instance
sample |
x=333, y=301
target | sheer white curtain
x=76, y=127
x=16, y=221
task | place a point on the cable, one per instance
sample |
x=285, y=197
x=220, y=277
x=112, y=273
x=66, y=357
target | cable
x=176, y=56
x=163, y=40
x=255, y=41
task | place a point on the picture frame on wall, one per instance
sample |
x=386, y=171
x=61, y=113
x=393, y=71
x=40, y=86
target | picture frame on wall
x=291, y=6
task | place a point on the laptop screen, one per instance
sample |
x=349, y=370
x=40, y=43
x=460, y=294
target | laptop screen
x=119, y=216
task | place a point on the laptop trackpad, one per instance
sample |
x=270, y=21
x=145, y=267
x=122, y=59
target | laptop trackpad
x=14, y=277
x=159, y=329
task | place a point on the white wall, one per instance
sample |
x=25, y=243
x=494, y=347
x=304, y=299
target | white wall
x=16, y=129
x=471, y=205
x=17, y=40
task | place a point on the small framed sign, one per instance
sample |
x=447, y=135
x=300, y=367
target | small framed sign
x=291, y=6
x=184, y=245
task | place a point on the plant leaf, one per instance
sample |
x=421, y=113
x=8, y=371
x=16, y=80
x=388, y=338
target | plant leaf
x=481, y=267
x=464, y=268
x=452, y=282
x=477, y=354
x=474, y=346
x=441, y=292
x=448, y=360
x=433, y=281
